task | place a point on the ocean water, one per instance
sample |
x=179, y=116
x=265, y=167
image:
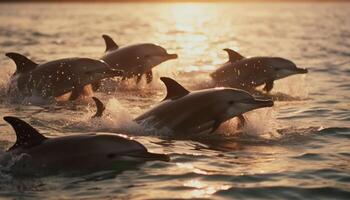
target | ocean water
x=298, y=149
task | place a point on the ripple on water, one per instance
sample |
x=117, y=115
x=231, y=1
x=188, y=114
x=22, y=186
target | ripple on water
x=339, y=132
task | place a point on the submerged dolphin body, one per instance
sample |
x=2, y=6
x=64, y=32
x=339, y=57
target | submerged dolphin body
x=248, y=73
x=74, y=153
x=203, y=111
x=135, y=60
x=58, y=77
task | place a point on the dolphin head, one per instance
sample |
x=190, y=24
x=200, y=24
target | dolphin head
x=121, y=148
x=284, y=67
x=238, y=102
x=154, y=55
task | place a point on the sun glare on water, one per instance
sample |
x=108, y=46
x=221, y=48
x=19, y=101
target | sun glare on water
x=189, y=31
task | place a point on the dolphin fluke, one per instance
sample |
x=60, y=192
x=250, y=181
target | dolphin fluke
x=100, y=108
x=23, y=64
x=174, y=89
x=110, y=44
x=233, y=56
x=27, y=136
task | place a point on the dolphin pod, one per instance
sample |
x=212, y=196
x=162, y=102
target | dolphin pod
x=248, y=73
x=182, y=112
x=135, y=60
x=71, y=78
x=57, y=78
x=75, y=153
x=203, y=111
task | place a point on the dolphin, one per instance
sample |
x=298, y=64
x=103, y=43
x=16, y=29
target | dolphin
x=83, y=152
x=135, y=60
x=248, y=73
x=57, y=78
x=202, y=111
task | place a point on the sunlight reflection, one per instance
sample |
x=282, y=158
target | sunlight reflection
x=188, y=16
x=203, y=190
x=190, y=167
x=200, y=189
x=189, y=20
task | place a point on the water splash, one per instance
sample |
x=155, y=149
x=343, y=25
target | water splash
x=295, y=86
x=4, y=81
x=260, y=123
x=116, y=118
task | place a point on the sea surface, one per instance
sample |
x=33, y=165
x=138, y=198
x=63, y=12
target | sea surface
x=298, y=149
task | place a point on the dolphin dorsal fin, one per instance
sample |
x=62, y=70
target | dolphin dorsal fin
x=27, y=136
x=23, y=64
x=174, y=89
x=100, y=107
x=110, y=44
x=233, y=56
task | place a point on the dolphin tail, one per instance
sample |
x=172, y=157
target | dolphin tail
x=100, y=108
x=110, y=44
x=27, y=136
x=23, y=64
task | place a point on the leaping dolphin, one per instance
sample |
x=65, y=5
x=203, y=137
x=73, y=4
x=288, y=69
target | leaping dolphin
x=248, y=73
x=59, y=77
x=203, y=111
x=85, y=152
x=135, y=60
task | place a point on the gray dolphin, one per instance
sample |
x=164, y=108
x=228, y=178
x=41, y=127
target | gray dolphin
x=203, y=111
x=83, y=152
x=58, y=77
x=135, y=60
x=248, y=73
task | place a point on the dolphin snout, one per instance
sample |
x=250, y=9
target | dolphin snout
x=172, y=56
x=151, y=156
x=302, y=70
x=157, y=156
x=263, y=103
